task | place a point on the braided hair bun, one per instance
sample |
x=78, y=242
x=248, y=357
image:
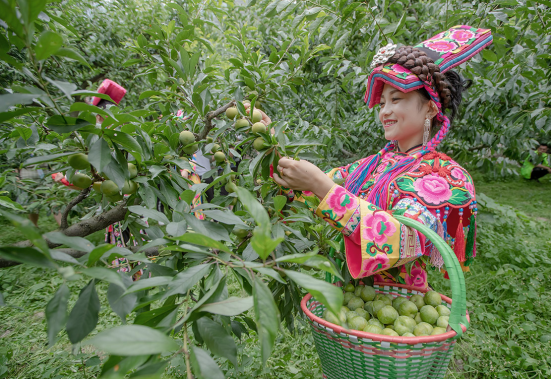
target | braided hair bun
x=449, y=85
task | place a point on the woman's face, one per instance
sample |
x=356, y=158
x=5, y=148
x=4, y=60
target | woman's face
x=403, y=115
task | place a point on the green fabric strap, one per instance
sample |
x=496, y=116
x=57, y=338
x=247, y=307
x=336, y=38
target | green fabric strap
x=457, y=284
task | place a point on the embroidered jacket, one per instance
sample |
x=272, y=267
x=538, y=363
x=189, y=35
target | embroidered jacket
x=438, y=193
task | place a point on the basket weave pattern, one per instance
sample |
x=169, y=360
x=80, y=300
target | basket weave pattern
x=347, y=354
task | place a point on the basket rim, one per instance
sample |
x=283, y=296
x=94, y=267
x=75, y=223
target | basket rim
x=385, y=338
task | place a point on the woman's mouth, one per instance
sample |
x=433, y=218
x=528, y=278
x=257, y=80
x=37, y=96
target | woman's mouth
x=388, y=123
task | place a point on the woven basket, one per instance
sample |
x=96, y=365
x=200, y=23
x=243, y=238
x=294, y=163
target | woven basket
x=360, y=355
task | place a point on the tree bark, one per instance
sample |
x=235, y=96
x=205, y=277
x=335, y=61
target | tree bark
x=210, y=116
x=88, y=226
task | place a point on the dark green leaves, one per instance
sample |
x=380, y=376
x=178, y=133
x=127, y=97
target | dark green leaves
x=48, y=43
x=65, y=124
x=133, y=340
x=331, y=296
x=267, y=317
x=184, y=281
x=203, y=364
x=202, y=240
x=148, y=213
x=56, y=313
x=84, y=316
x=255, y=209
x=100, y=154
x=217, y=339
x=121, y=304
x=229, y=307
x=10, y=100
x=27, y=255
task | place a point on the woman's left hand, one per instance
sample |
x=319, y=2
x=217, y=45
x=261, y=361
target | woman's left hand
x=303, y=176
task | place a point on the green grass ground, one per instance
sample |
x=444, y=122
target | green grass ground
x=508, y=290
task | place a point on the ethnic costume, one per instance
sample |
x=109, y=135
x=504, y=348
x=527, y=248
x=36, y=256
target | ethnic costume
x=421, y=184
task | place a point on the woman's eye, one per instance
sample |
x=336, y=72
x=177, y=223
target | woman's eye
x=395, y=99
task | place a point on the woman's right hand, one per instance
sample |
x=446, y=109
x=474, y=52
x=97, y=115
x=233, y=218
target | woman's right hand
x=265, y=119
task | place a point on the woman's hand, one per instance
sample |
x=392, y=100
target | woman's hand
x=265, y=120
x=303, y=176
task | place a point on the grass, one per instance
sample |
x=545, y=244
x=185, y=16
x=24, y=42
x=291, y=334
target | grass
x=508, y=290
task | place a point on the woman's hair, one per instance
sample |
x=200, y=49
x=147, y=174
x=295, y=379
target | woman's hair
x=104, y=103
x=449, y=85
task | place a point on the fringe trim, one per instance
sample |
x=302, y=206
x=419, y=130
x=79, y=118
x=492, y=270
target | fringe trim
x=470, y=240
x=436, y=259
x=460, y=243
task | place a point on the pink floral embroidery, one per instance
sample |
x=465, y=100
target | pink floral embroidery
x=374, y=264
x=378, y=227
x=340, y=201
x=462, y=35
x=400, y=69
x=433, y=189
x=438, y=36
x=470, y=188
x=441, y=46
x=418, y=277
x=458, y=173
x=308, y=193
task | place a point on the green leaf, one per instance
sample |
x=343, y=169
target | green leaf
x=147, y=283
x=324, y=292
x=72, y=54
x=65, y=124
x=202, y=240
x=218, y=340
x=10, y=100
x=224, y=216
x=203, y=364
x=489, y=55
x=313, y=261
x=149, y=94
x=121, y=304
x=185, y=280
x=92, y=93
x=48, y=43
x=80, y=106
x=126, y=141
x=7, y=202
x=47, y=158
x=27, y=255
x=5, y=116
x=56, y=313
x=400, y=23
x=105, y=274
x=229, y=307
x=100, y=155
x=74, y=242
x=153, y=317
x=148, y=213
x=279, y=202
x=97, y=253
x=133, y=340
x=267, y=317
x=255, y=209
x=264, y=244
x=84, y=315
x=65, y=87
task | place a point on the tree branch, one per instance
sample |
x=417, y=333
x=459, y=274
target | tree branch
x=78, y=199
x=152, y=251
x=210, y=116
x=346, y=152
x=87, y=226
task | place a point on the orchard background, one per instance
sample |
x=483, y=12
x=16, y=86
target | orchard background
x=210, y=303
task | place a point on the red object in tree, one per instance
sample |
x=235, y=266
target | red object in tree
x=271, y=170
x=114, y=90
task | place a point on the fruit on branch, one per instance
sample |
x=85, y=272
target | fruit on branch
x=215, y=148
x=130, y=187
x=114, y=198
x=232, y=112
x=230, y=187
x=220, y=157
x=81, y=180
x=109, y=188
x=258, y=128
x=209, y=139
x=259, y=143
x=257, y=116
x=186, y=138
x=242, y=123
x=190, y=149
x=96, y=186
x=240, y=232
x=132, y=170
x=168, y=157
x=79, y=161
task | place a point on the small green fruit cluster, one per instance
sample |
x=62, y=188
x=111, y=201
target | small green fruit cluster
x=364, y=310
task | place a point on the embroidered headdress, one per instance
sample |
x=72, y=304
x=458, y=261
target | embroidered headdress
x=114, y=90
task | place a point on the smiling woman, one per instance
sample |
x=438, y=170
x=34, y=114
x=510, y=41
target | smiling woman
x=413, y=87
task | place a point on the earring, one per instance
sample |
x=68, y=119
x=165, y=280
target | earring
x=427, y=127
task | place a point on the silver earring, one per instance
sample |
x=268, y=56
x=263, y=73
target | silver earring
x=427, y=127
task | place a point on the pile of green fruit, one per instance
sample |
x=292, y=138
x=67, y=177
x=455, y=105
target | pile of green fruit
x=364, y=310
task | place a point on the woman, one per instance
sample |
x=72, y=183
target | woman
x=413, y=87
